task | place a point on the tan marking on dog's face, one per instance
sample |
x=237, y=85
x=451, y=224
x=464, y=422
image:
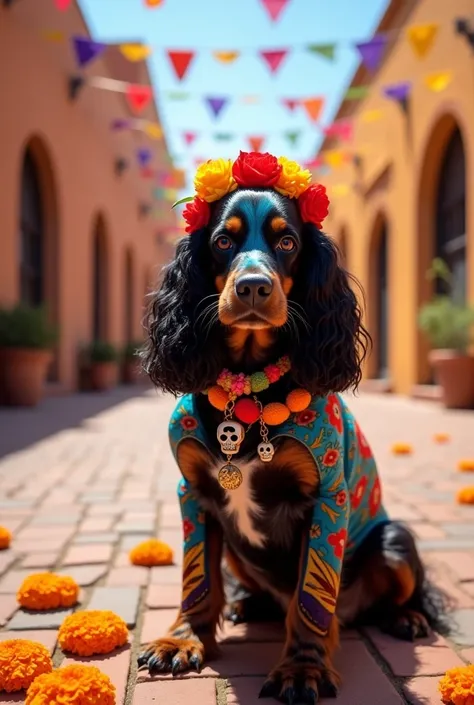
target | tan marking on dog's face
x=220, y=282
x=260, y=342
x=233, y=224
x=286, y=284
x=278, y=224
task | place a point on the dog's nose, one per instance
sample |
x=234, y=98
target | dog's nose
x=253, y=289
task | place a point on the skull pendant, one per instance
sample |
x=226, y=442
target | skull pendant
x=266, y=451
x=230, y=435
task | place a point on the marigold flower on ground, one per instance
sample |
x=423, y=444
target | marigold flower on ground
x=46, y=591
x=150, y=553
x=466, y=465
x=74, y=685
x=214, y=179
x=457, y=686
x=441, y=437
x=5, y=538
x=402, y=449
x=466, y=496
x=21, y=661
x=293, y=179
x=92, y=632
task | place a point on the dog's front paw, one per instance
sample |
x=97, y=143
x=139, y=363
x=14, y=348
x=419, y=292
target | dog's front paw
x=301, y=680
x=407, y=625
x=172, y=655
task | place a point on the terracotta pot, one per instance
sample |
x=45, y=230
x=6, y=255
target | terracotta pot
x=23, y=373
x=454, y=373
x=130, y=371
x=103, y=375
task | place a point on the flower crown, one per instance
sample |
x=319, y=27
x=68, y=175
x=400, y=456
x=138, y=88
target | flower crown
x=218, y=177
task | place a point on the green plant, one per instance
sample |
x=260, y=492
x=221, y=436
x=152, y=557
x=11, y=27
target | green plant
x=24, y=326
x=101, y=351
x=131, y=350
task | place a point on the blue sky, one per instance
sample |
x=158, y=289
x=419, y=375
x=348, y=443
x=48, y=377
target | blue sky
x=244, y=25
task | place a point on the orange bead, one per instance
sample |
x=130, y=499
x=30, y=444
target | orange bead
x=218, y=397
x=275, y=414
x=298, y=400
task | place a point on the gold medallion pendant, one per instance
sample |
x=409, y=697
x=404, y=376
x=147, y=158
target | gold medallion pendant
x=229, y=477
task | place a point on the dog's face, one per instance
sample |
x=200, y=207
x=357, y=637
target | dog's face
x=255, y=240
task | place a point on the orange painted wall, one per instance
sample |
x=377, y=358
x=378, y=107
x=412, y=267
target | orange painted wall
x=396, y=180
x=76, y=150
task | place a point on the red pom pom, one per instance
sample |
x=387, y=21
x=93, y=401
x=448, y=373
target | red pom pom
x=246, y=411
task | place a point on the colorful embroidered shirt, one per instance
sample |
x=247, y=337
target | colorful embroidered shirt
x=347, y=508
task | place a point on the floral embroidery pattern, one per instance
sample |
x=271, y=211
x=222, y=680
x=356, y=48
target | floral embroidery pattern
x=338, y=542
x=189, y=423
x=315, y=531
x=364, y=448
x=330, y=457
x=341, y=498
x=333, y=410
x=304, y=418
x=357, y=494
x=188, y=528
x=375, y=498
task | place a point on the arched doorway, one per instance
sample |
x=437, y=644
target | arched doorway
x=129, y=293
x=378, y=301
x=100, y=281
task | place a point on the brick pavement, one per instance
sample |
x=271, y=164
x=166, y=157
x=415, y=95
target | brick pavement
x=102, y=480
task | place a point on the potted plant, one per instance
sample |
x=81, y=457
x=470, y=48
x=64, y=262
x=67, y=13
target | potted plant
x=448, y=327
x=130, y=363
x=26, y=341
x=103, y=365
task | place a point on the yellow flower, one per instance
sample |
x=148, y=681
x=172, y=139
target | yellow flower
x=74, y=685
x=293, y=179
x=21, y=661
x=466, y=465
x=402, y=449
x=92, y=632
x=5, y=538
x=214, y=179
x=457, y=685
x=47, y=591
x=151, y=552
x=466, y=495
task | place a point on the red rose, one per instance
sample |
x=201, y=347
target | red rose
x=196, y=214
x=256, y=169
x=314, y=205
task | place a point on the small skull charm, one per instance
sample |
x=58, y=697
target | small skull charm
x=230, y=435
x=266, y=451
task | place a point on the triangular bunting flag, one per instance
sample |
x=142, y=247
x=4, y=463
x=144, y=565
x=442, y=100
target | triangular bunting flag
x=62, y=4
x=177, y=95
x=356, y=92
x=290, y=103
x=53, y=35
x=421, y=38
x=216, y=105
x=397, y=91
x=119, y=124
x=147, y=173
x=371, y=115
x=223, y=136
x=340, y=190
x=189, y=137
x=313, y=164
x=180, y=61
x=250, y=99
x=153, y=3
x=341, y=129
x=334, y=158
x=256, y=143
x=226, y=57
x=153, y=130
x=437, y=82
x=372, y=52
x=326, y=50
x=138, y=97
x=292, y=137
x=274, y=8
x=274, y=59
x=144, y=156
x=135, y=52
x=313, y=107
x=86, y=50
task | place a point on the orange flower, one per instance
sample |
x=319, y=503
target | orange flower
x=46, y=591
x=402, y=449
x=466, y=465
x=466, y=495
x=5, y=538
x=441, y=437
x=293, y=179
x=92, y=632
x=151, y=552
x=214, y=179
x=21, y=661
x=72, y=685
x=457, y=686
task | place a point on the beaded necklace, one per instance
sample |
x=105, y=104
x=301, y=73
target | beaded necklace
x=237, y=394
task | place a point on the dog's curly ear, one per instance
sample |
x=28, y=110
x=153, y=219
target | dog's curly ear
x=332, y=346
x=179, y=356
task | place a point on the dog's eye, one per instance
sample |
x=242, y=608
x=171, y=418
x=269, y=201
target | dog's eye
x=287, y=244
x=223, y=243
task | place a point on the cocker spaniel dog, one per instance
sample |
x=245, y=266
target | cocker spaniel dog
x=256, y=328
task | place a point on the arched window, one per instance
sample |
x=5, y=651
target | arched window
x=129, y=308
x=100, y=282
x=32, y=234
x=451, y=216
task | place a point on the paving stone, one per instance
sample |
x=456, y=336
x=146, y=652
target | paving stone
x=132, y=575
x=96, y=524
x=162, y=596
x=40, y=560
x=41, y=546
x=8, y=605
x=97, y=497
x=424, y=657
x=136, y=527
x=463, y=620
x=130, y=541
x=448, y=544
x=166, y=575
x=423, y=530
x=41, y=533
x=422, y=691
x=45, y=637
x=199, y=691
x=10, y=583
x=122, y=600
x=6, y=559
x=456, y=529
x=84, y=575
x=51, y=520
x=264, y=632
x=105, y=537
x=156, y=624
x=468, y=655
x=115, y=665
x=460, y=563
x=98, y=553
x=8, y=504
x=49, y=619
x=104, y=510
